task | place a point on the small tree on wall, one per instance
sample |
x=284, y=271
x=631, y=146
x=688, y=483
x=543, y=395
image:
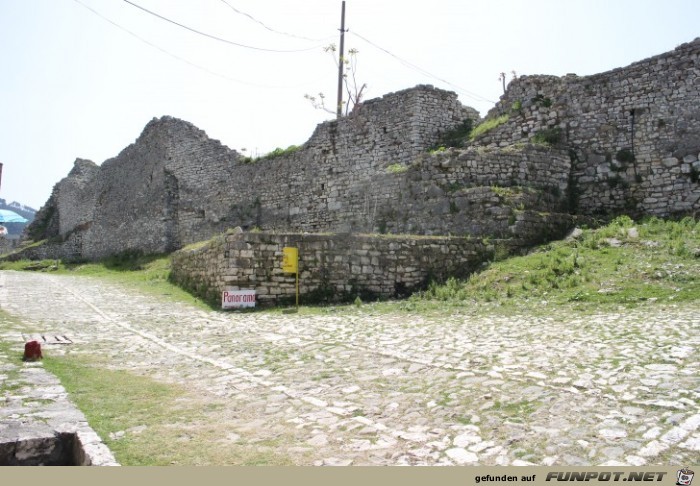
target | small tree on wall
x=354, y=90
x=502, y=79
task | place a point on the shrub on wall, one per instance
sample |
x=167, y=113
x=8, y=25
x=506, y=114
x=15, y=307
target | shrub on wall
x=487, y=126
x=458, y=137
x=549, y=136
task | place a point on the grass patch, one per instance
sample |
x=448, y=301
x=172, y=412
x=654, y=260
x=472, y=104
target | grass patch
x=487, y=126
x=518, y=412
x=396, y=169
x=548, y=137
x=163, y=424
x=624, y=263
x=276, y=153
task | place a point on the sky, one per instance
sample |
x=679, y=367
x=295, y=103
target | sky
x=81, y=78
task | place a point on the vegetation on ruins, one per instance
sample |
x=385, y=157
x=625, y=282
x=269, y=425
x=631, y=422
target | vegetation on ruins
x=488, y=125
x=458, y=137
x=278, y=152
x=353, y=88
x=396, y=169
x=623, y=263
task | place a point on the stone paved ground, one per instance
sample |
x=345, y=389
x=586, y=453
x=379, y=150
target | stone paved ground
x=354, y=388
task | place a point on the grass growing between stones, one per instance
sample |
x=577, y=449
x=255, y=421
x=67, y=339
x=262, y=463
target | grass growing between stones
x=145, y=422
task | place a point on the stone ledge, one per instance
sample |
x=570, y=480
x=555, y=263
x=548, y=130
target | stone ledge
x=42, y=427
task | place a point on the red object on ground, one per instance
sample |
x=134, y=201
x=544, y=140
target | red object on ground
x=32, y=351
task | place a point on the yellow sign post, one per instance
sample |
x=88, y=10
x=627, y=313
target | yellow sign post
x=290, y=264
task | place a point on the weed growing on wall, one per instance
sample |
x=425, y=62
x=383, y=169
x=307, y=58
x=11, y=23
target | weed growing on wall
x=278, y=152
x=458, y=137
x=549, y=136
x=396, y=169
x=487, y=126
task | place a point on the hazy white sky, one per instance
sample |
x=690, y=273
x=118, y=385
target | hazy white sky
x=73, y=84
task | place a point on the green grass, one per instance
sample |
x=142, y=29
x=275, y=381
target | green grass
x=276, y=153
x=177, y=427
x=396, y=169
x=607, y=266
x=659, y=265
x=148, y=274
x=487, y=126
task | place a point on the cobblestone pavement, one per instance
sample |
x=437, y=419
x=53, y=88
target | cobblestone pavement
x=354, y=388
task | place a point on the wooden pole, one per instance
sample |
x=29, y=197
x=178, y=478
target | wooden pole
x=341, y=61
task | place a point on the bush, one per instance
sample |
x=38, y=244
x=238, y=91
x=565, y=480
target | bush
x=458, y=137
x=625, y=156
x=550, y=136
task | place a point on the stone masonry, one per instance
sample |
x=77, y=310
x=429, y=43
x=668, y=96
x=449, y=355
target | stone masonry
x=625, y=141
x=175, y=186
x=331, y=267
x=633, y=133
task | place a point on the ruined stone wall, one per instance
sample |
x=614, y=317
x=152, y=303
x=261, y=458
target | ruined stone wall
x=334, y=182
x=174, y=185
x=634, y=132
x=131, y=202
x=7, y=245
x=75, y=201
x=478, y=192
x=625, y=141
x=332, y=267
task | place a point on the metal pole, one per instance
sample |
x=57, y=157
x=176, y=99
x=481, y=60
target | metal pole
x=341, y=61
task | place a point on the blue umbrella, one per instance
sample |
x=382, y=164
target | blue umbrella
x=7, y=216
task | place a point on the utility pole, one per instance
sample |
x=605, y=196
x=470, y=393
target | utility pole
x=341, y=61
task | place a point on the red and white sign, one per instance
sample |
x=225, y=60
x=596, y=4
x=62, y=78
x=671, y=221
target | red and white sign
x=235, y=299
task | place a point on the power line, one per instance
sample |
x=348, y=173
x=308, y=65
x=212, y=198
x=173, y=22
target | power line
x=182, y=59
x=210, y=36
x=240, y=12
x=406, y=63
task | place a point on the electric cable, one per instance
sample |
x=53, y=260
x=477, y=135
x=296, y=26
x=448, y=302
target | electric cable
x=240, y=12
x=182, y=59
x=210, y=36
x=470, y=94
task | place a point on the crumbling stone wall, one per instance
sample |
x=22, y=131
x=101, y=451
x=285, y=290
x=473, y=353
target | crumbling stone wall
x=174, y=185
x=633, y=133
x=332, y=267
x=626, y=141
x=7, y=245
x=479, y=192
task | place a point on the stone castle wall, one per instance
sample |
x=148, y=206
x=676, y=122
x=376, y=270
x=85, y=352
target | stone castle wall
x=174, y=185
x=623, y=141
x=634, y=132
x=332, y=268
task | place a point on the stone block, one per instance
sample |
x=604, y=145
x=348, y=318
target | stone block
x=669, y=162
